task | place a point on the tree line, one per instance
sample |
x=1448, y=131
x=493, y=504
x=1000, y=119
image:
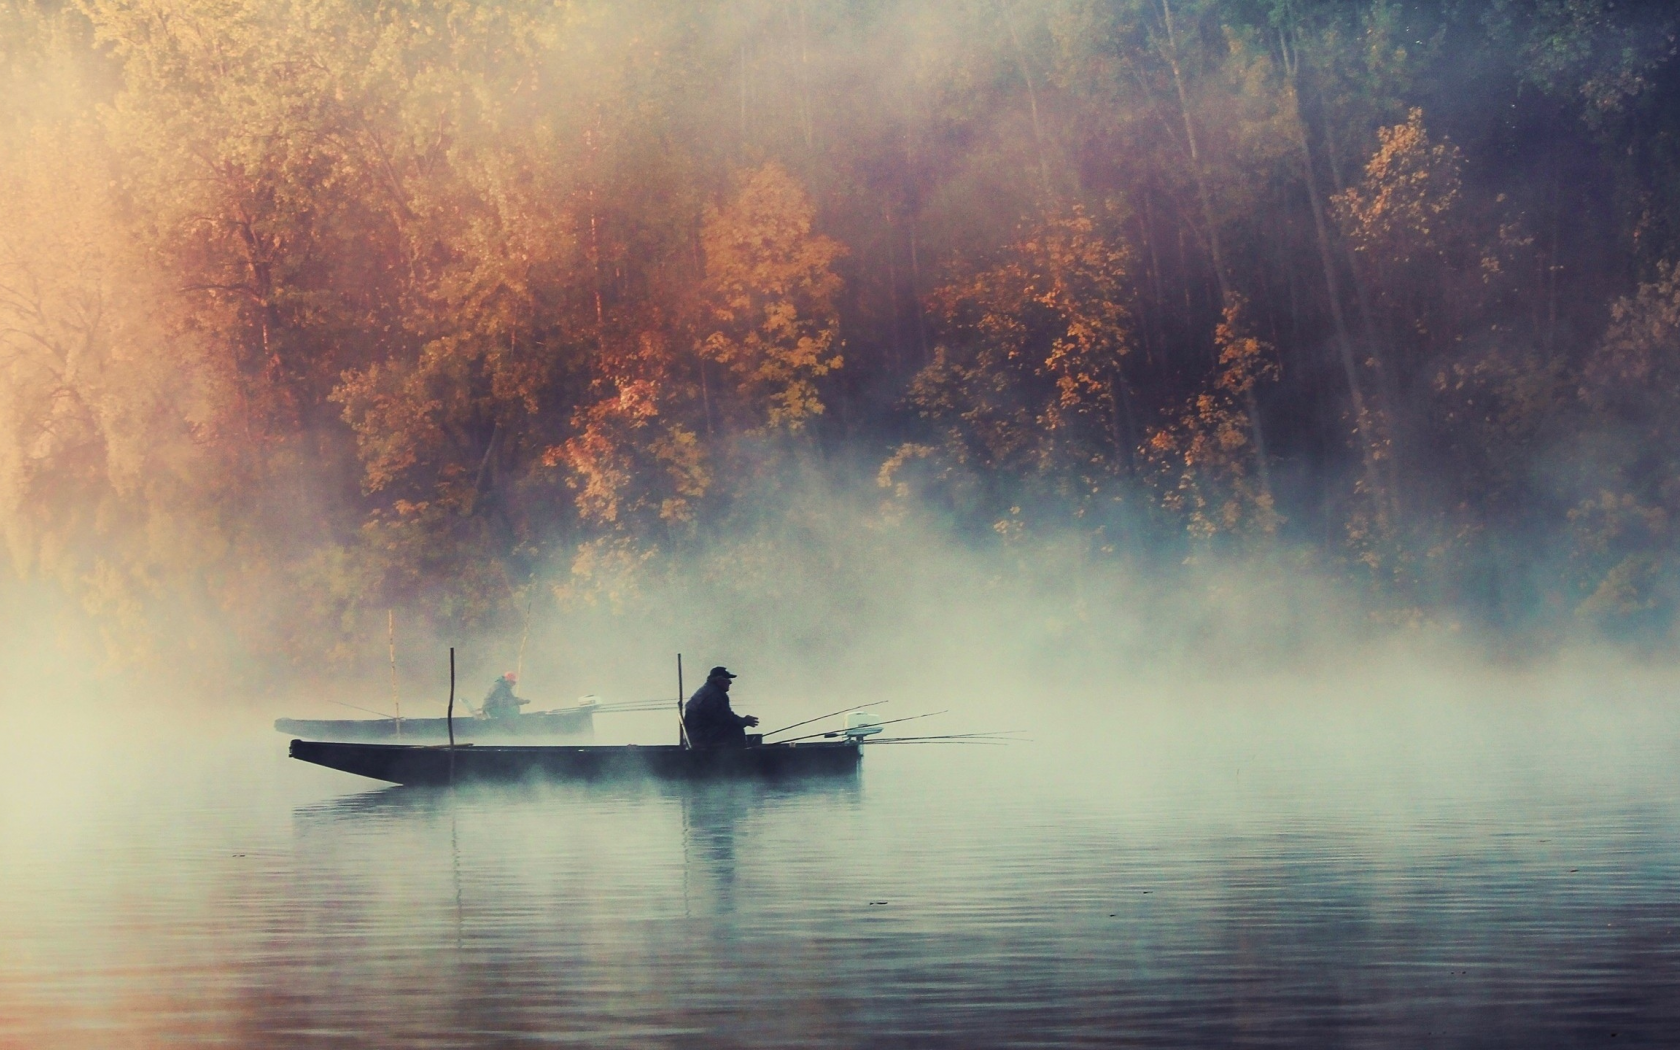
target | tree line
x=315, y=307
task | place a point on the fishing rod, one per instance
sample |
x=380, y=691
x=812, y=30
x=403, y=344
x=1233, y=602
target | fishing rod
x=888, y=722
x=616, y=704
x=831, y=714
x=369, y=710
x=979, y=738
x=939, y=740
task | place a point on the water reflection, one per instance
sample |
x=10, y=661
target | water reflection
x=712, y=818
x=939, y=900
x=383, y=803
x=710, y=815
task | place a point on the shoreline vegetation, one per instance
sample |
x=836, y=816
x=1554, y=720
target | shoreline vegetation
x=314, y=309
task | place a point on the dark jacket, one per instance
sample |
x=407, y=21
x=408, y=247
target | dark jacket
x=710, y=722
x=500, y=701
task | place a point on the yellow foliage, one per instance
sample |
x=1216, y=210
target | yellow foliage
x=608, y=570
x=108, y=481
x=1632, y=539
x=1622, y=537
x=620, y=442
x=1028, y=373
x=770, y=294
x=1204, y=462
x=1397, y=213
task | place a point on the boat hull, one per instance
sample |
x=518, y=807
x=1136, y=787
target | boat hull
x=411, y=764
x=537, y=723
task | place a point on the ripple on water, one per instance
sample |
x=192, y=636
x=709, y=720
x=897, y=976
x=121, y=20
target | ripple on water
x=943, y=899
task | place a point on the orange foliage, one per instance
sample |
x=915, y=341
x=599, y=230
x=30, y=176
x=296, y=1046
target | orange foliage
x=358, y=305
x=1205, y=461
x=769, y=297
x=1028, y=373
x=1411, y=186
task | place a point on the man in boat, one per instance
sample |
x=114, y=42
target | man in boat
x=708, y=719
x=500, y=701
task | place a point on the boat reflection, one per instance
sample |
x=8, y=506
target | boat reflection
x=705, y=804
x=714, y=815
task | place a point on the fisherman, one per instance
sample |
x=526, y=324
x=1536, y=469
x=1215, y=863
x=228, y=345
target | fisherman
x=500, y=701
x=708, y=719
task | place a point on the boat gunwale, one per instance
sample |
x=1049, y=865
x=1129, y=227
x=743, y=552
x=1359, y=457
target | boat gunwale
x=436, y=764
x=806, y=745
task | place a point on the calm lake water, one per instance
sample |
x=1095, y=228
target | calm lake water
x=1231, y=876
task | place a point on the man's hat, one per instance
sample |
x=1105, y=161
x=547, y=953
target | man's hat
x=721, y=672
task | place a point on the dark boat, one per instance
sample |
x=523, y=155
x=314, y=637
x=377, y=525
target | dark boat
x=413, y=764
x=563, y=722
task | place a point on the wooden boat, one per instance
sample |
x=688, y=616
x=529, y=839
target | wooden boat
x=414, y=764
x=561, y=722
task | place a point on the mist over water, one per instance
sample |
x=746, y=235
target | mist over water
x=1387, y=853
x=1266, y=409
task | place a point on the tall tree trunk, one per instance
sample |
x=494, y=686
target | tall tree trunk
x=1032, y=101
x=1370, y=447
x=1387, y=396
x=1147, y=222
x=802, y=64
x=1226, y=299
x=916, y=294
x=743, y=95
x=913, y=209
x=1123, y=421
x=892, y=294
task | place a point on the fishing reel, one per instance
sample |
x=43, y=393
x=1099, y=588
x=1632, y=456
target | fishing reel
x=860, y=724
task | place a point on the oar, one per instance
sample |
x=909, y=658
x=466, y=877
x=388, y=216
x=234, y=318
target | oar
x=888, y=722
x=831, y=714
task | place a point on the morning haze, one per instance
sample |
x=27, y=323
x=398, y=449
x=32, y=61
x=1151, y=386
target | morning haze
x=1264, y=414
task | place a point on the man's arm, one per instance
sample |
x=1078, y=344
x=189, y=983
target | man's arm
x=744, y=721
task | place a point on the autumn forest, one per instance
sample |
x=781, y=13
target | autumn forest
x=310, y=309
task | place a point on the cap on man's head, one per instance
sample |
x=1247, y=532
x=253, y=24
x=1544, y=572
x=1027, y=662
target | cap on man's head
x=721, y=672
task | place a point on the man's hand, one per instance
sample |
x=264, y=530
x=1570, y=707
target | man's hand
x=752, y=720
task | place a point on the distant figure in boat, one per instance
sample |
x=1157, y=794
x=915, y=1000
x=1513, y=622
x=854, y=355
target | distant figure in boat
x=708, y=718
x=500, y=701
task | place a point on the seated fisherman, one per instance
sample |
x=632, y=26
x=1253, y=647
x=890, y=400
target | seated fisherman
x=500, y=702
x=708, y=719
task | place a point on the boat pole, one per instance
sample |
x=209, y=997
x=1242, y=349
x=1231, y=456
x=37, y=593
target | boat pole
x=530, y=598
x=682, y=727
x=391, y=642
x=451, y=715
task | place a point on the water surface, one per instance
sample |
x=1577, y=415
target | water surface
x=1240, y=876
